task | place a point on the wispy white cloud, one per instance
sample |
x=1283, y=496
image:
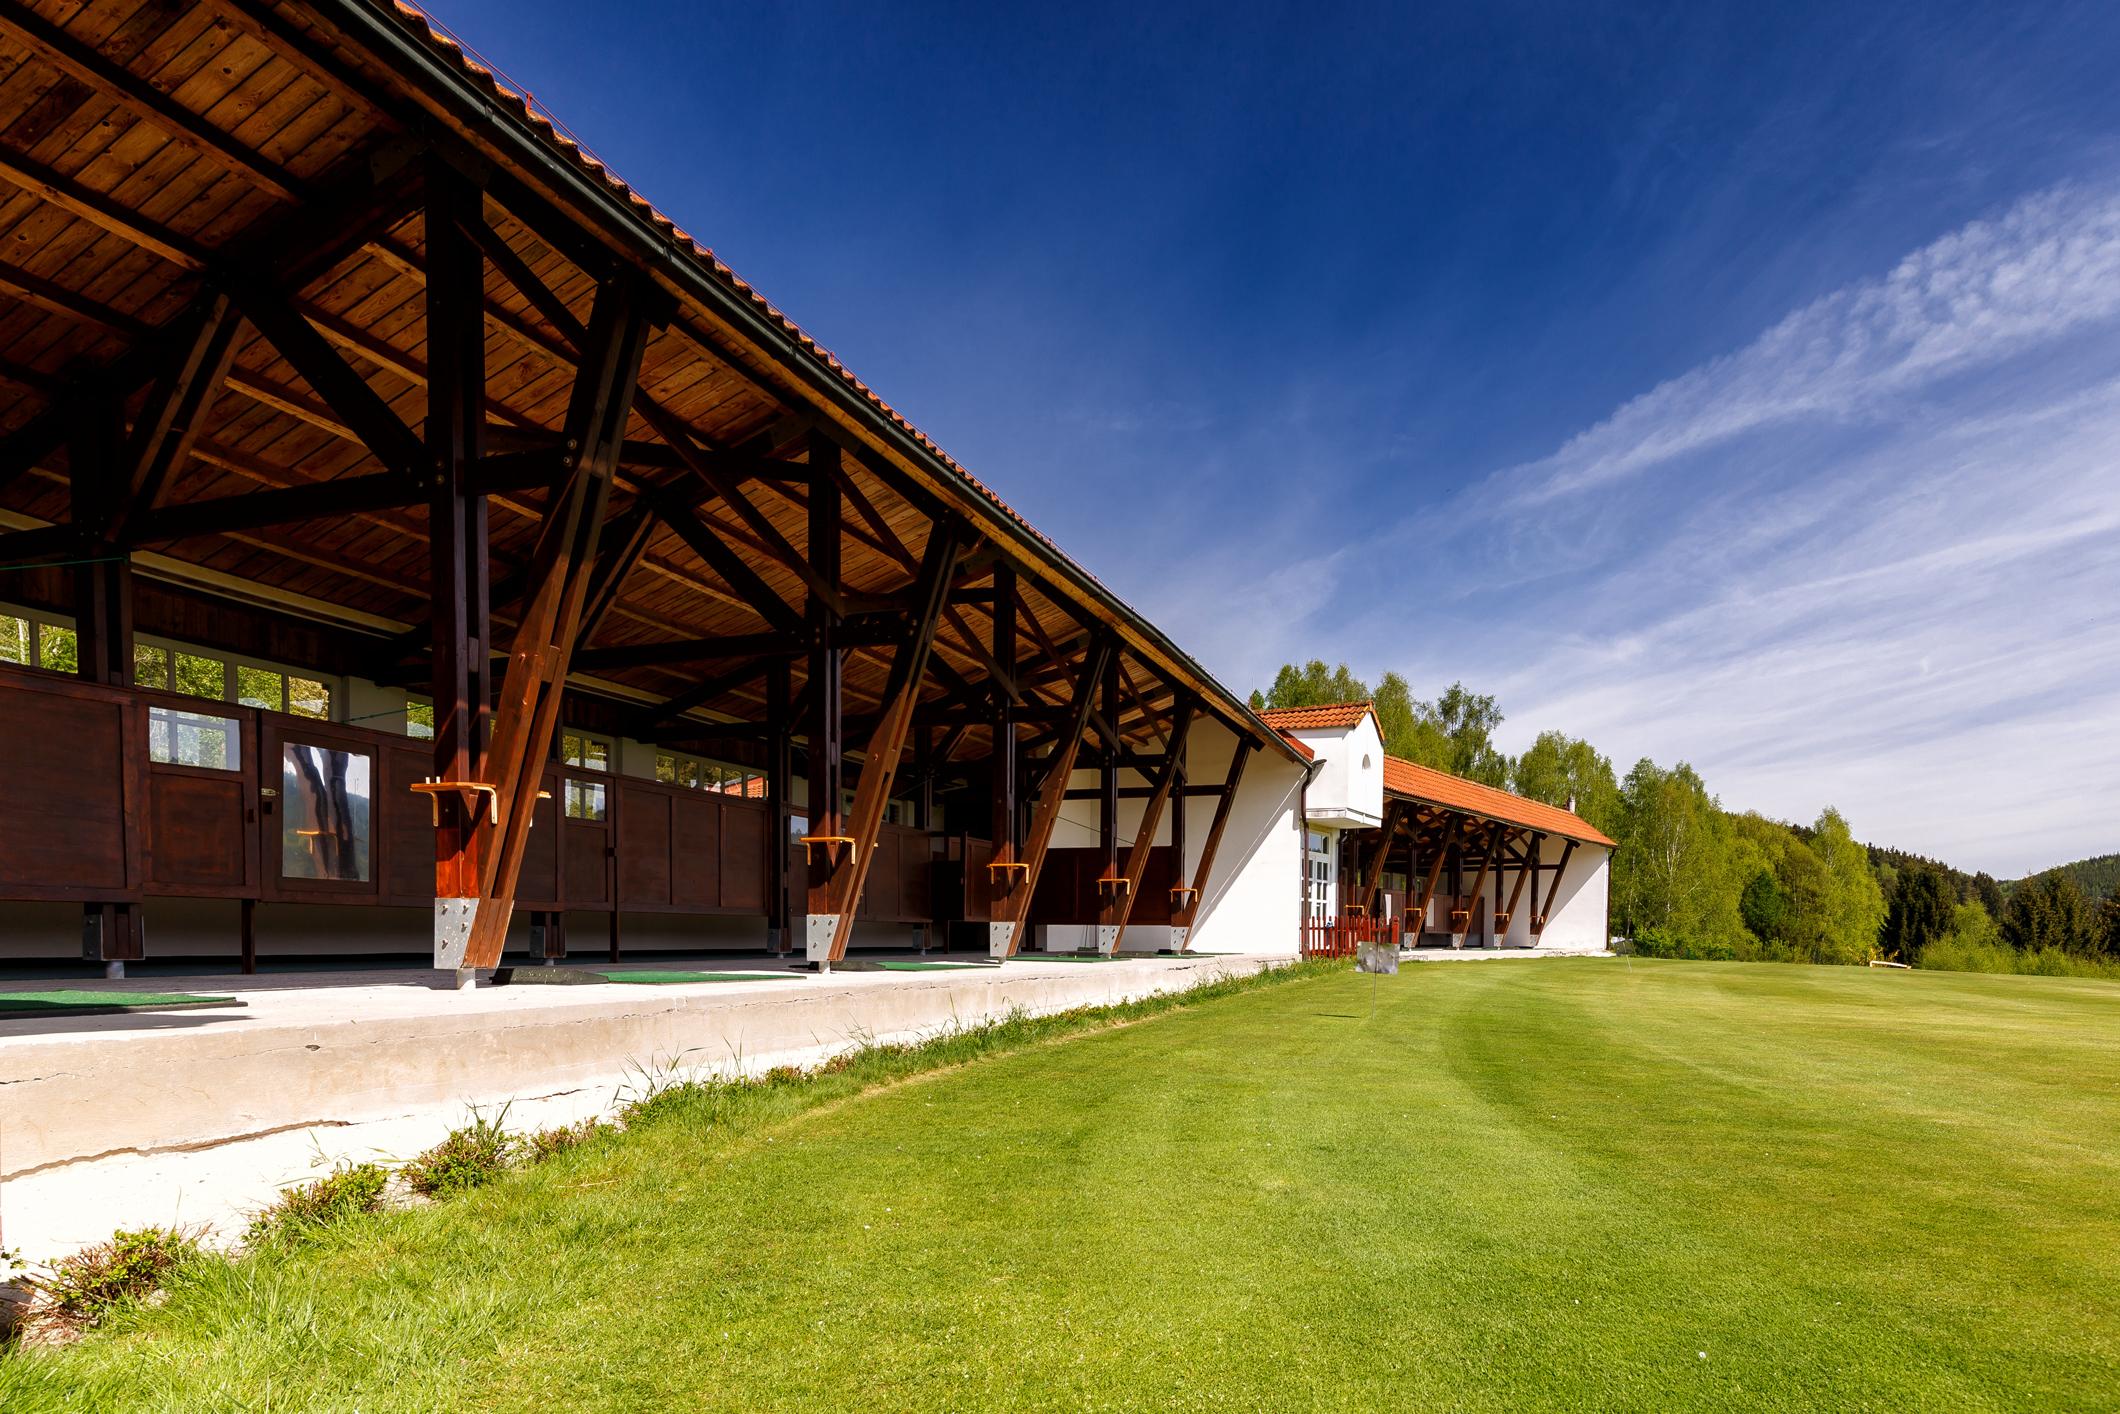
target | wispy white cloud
x=1871, y=559
x=2046, y=267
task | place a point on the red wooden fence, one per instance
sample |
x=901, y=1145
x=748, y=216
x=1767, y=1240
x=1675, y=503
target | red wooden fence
x=1339, y=937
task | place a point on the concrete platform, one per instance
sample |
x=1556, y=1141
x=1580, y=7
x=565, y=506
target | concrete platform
x=200, y=1117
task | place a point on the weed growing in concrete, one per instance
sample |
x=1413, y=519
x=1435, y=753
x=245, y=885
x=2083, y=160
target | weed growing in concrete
x=306, y=1209
x=550, y=1143
x=83, y=1290
x=471, y=1156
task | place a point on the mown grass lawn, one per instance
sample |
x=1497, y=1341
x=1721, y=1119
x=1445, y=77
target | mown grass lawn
x=1595, y=1183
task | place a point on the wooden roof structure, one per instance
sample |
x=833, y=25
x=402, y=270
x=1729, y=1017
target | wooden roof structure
x=214, y=246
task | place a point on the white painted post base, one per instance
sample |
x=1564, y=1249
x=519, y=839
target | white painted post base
x=818, y=930
x=997, y=939
x=114, y=971
x=1107, y=939
x=466, y=978
x=1179, y=937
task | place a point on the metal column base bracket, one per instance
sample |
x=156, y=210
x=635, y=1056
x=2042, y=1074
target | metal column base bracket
x=452, y=931
x=1179, y=937
x=818, y=930
x=997, y=939
x=1107, y=938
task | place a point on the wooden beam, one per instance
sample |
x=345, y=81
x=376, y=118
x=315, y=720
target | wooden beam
x=565, y=554
x=624, y=541
x=1005, y=928
x=174, y=415
x=100, y=211
x=1472, y=897
x=344, y=391
x=1187, y=908
x=743, y=581
x=1119, y=902
x=1375, y=873
x=1540, y=912
x=879, y=762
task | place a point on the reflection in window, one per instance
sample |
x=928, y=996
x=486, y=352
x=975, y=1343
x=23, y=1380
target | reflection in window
x=201, y=676
x=306, y=697
x=58, y=649
x=150, y=665
x=177, y=738
x=585, y=800
x=14, y=640
x=419, y=719
x=260, y=687
x=326, y=813
x=588, y=752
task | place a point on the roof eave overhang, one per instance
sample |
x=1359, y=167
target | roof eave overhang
x=1592, y=838
x=438, y=83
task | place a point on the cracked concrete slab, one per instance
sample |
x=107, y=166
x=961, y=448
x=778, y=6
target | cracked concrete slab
x=200, y=1118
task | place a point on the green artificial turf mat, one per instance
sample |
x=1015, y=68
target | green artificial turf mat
x=653, y=977
x=82, y=1002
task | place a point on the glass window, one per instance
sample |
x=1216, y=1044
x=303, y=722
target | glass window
x=201, y=676
x=585, y=800
x=306, y=697
x=419, y=719
x=150, y=665
x=325, y=810
x=261, y=687
x=14, y=639
x=177, y=738
x=588, y=752
x=57, y=649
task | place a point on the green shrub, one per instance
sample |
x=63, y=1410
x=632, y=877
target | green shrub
x=1957, y=953
x=347, y=1191
x=470, y=1157
x=84, y=1289
x=1664, y=942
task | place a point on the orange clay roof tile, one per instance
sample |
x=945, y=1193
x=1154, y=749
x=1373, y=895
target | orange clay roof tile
x=1329, y=716
x=1424, y=783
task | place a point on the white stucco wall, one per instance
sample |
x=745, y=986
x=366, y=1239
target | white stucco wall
x=1253, y=901
x=1346, y=791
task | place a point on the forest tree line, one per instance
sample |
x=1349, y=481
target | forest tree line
x=1691, y=879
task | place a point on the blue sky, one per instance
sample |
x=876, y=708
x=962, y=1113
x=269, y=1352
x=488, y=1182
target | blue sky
x=1732, y=383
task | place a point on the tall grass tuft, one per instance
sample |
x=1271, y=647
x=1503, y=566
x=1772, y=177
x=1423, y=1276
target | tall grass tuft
x=348, y=1191
x=471, y=1156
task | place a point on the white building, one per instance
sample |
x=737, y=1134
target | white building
x=1450, y=861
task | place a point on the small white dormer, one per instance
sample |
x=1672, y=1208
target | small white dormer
x=1347, y=791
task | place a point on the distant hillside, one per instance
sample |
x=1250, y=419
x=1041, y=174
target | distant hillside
x=2096, y=876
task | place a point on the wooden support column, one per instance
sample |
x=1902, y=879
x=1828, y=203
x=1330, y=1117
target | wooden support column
x=1005, y=872
x=1471, y=899
x=458, y=582
x=469, y=932
x=1539, y=912
x=1005, y=928
x=1118, y=902
x=111, y=933
x=1533, y=844
x=1186, y=907
x=1374, y=877
x=780, y=805
x=1108, y=783
x=828, y=848
x=886, y=746
x=1426, y=900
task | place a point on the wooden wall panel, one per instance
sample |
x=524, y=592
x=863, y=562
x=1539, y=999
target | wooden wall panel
x=407, y=822
x=643, y=847
x=743, y=856
x=65, y=756
x=695, y=852
x=200, y=839
x=1067, y=887
x=582, y=852
x=537, y=886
